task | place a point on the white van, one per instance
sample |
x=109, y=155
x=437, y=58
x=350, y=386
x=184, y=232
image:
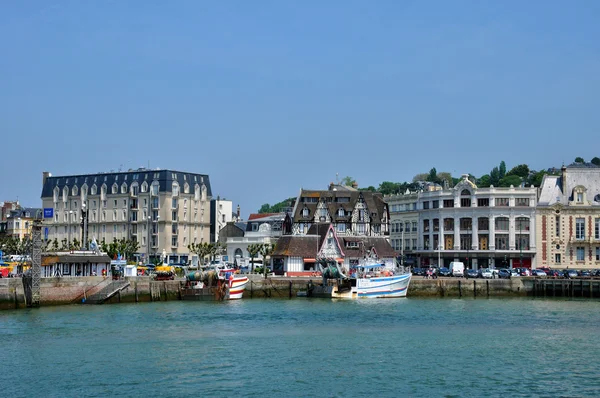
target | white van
x=457, y=268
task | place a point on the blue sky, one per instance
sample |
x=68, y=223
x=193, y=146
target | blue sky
x=268, y=97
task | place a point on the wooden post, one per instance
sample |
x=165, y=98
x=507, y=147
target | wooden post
x=151, y=292
x=251, y=290
x=487, y=283
x=554, y=288
x=136, y=293
x=474, y=288
x=459, y=289
x=290, y=289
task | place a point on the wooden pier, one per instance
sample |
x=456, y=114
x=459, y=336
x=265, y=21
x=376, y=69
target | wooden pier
x=584, y=288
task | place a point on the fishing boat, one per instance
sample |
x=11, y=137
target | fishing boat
x=369, y=280
x=214, y=284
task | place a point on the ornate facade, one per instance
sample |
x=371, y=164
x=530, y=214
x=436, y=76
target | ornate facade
x=568, y=218
x=350, y=211
x=482, y=227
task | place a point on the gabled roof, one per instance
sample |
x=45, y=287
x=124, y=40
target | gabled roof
x=256, y=216
x=373, y=201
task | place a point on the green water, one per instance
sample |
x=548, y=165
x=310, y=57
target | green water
x=304, y=348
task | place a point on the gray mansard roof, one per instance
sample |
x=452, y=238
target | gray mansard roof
x=577, y=175
x=164, y=177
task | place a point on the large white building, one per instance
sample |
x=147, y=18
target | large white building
x=163, y=210
x=404, y=225
x=482, y=227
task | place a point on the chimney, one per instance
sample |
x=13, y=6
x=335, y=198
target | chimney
x=45, y=175
x=563, y=170
x=238, y=212
x=331, y=186
x=354, y=185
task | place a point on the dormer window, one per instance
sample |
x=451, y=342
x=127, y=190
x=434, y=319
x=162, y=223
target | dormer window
x=579, y=197
x=114, y=188
x=305, y=212
x=341, y=213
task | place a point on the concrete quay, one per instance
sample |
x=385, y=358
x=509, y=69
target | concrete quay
x=76, y=290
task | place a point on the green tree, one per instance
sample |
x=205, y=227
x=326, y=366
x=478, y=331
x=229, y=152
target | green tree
x=579, y=160
x=266, y=250
x=502, y=170
x=253, y=250
x=201, y=249
x=536, y=179
x=445, y=176
x=432, y=176
x=521, y=170
x=75, y=245
x=54, y=247
x=495, y=177
x=513, y=180
x=420, y=177
x=596, y=161
x=347, y=181
x=370, y=188
x=484, y=181
x=388, y=188
x=264, y=208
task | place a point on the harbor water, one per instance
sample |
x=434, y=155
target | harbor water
x=304, y=348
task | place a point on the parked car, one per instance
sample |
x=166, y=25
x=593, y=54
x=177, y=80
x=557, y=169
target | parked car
x=524, y=272
x=538, y=272
x=504, y=273
x=514, y=272
x=570, y=273
x=485, y=273
x=585, y=273
x=445, y=271
x=471, y=273
x=418, y=271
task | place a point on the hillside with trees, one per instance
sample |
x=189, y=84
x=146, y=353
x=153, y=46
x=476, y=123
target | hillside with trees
x=497, y=177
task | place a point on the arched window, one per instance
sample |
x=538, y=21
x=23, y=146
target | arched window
x=115, y=188
x=144, y=186
x=56, y=193
x=65, y=193
x=175, y=189
x=94, y=190
x=103, y=192
x=203, y=192
x=74, y=191
x=124, y=187
x=196, y=192
x=238, y=253
x=186, y=188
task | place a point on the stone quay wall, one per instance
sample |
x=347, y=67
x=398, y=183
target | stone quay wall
x=73, y=290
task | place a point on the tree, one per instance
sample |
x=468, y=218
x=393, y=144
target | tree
x=495, y=177
x=536, y=179
x=253, y=250
x=420, y=177
x=264, y=208
x=445, y=176
x=502, y=170
x=266, y=250
x=388, y=188
x=484, y=181
x=347, y=181
x=596, y=161
x=370, y=188
x=201, y=249
x=513, y=180
x=579, y=160
x=54, y=245
x=432, y=176
x=521, y=170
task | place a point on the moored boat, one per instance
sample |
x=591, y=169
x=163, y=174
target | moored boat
x=364, y=281
x=214, y=284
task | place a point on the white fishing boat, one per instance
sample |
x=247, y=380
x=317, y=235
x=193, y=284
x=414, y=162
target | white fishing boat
x=364, y=281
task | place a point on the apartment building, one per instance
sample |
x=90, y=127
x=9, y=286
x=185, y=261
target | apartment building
x=163, y=210
x=404, y=221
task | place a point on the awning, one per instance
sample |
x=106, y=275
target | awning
x=310, y=260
